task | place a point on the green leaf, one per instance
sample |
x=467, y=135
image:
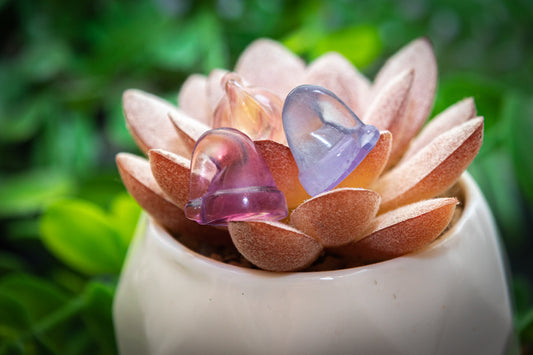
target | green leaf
x=122, y=36
x=15, y=325
x=486, y=92
x=69, y=143
x=48, y=308
x=359, y=44
x=10, y=263
x=54, y=331
x=36, y=318
x=22, y=121
x=45, y=58
x=305, y=38
x=14, y=318
x=3, y=3
x=97, y=315
x=14, y=348
x=100, y=187
x=125, y=213
x=177, y=50
x=310, y=32
x=518, y=109
x=31, y=191
x=198, y=40
x=81, y=235
x=68, y=280
x=213, y=51
x=525, y=327
x=523, y=295
x=115, y=125
x=38, y=296
x=495, y=175
x=23, y=228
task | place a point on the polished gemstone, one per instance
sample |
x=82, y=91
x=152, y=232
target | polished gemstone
x=328, y=141
x=230, y=181
x=253, y=110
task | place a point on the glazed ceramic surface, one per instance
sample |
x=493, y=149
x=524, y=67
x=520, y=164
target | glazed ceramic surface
x=449, y=298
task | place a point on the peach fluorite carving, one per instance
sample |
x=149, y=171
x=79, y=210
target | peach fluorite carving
x=253, y=110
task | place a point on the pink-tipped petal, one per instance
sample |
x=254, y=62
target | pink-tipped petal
x=148, y=123
x=372, y=166
x=192, y=98
x=418, y=56
x=433, y=169
x=285, y=70
x=388, y=108
x=403, y=231
x=337, y=217
x=137, y=177
x=337, y=74
x=172, y=173
x=274, y=246
x=284, y=171
x=215, y=90
x=188, y=129
x=453, y=116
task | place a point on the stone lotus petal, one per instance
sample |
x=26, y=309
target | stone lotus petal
x=172, y=173
x=192, y=98
x=147, y=121
x=274, y=246
x=288, y=71
x=188, y=129
x=214, y=89
x=418, y=56
x=373, y=165
x=136, y=175
x=402, y=230
x=336, y=73
x=387, y=108
x=390, y=102
x=337, y=217
x=453, y=116
x=284, y=171
x=433, y=169
x=398, y=102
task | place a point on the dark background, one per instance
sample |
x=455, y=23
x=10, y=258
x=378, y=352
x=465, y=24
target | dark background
x=64, y=65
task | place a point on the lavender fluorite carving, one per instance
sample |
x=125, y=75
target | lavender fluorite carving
x=230, y=181
x=327, y=140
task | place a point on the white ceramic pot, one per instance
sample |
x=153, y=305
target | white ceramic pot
x=449, y=298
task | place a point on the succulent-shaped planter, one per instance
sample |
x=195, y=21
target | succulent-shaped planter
x=278, y=221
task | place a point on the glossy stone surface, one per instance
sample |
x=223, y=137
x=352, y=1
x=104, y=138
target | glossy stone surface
x=230, y=181
x=327, y=140
x=255, y=111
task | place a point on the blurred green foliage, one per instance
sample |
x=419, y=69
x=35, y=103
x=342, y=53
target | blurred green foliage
x=65, y=219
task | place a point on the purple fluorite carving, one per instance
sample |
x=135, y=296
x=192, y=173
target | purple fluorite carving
x=230, y=181
x=327, y=140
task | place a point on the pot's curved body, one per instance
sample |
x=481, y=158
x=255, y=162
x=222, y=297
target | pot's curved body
x=449, y=298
